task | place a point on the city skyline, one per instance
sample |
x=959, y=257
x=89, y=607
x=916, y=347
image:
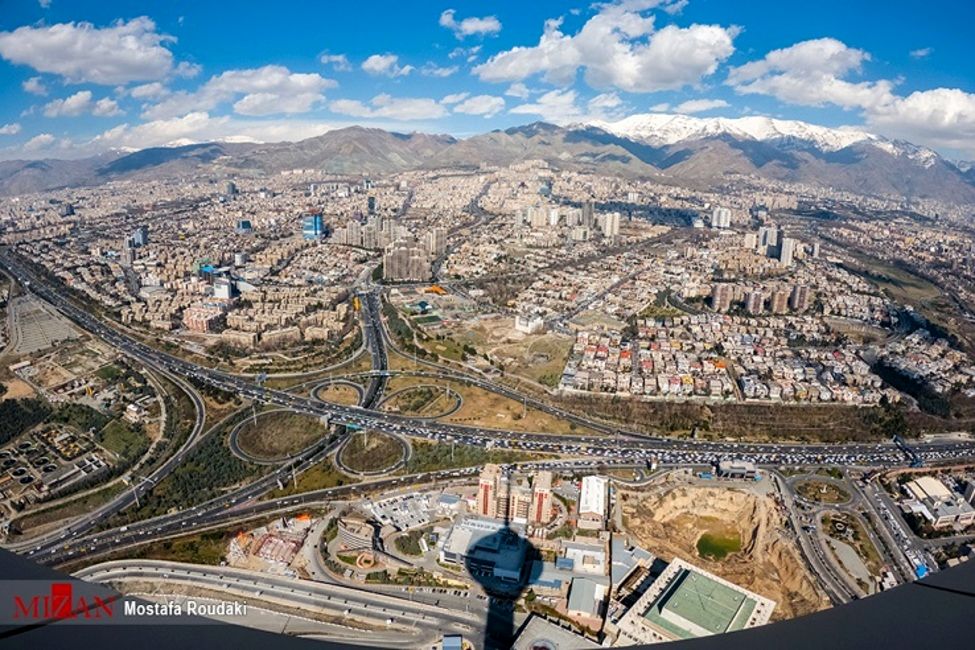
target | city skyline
x=194, y=74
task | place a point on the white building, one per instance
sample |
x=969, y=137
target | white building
x=593, y=501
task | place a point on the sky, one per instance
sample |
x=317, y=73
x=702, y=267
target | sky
x=79, y=78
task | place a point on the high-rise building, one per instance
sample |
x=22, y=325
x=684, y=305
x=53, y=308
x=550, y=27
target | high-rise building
x=800, y=298
x=780, y=301
x=755, y=302
x=768, y=239
x=436, y=241
x=487, y=490
x=721, y=296
x=244, y=227
x=405, y=261
x=312, y=226
x=541, y=507
x=140, y=237
x=721, y=218
x=231, y=188
x=371, y=205
x=588, y=213
x=786, y=251
x=610, y=223
x=815, y=250
x=751, y=241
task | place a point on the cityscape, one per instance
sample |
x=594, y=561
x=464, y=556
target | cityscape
x=658, y=330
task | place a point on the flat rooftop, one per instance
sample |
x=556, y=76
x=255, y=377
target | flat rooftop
x=695, y=605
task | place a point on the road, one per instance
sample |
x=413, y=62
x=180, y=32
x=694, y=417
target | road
x=419, y=623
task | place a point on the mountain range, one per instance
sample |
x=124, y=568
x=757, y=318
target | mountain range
x=667, y=148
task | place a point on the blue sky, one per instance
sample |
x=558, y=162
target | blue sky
x=81, y=77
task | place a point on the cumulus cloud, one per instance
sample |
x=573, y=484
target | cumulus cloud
x=386, y=65
x=454, y=98
x=486, y=26
x=150, y=91
x=486, y=105
x=700, y=105
x=556, y=106
x=81, y=103
x=617, y=48
x=35, y=86
x=268, y=90
x=39, y=142
x=817, y=72
x=10, y=129
x=812, y=73
x=81, y=52
x=339, y=62
x=106, y=107
x=942, y=117
x=518, y=90
x=389, y=107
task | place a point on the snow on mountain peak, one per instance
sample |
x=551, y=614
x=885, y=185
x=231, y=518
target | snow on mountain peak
x=662, y=129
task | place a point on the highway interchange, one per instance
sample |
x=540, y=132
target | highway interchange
x=89, y=536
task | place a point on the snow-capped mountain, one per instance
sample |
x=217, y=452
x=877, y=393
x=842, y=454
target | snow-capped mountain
x=661, y=129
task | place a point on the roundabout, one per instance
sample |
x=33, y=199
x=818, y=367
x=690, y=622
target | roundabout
x=339, y=391
x=369, y=453
x=275, y=436
x=423, y=401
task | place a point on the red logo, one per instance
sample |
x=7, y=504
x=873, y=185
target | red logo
x=61, y=604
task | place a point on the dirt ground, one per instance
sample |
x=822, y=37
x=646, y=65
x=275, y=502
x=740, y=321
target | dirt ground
x=670, y=521
x=17, y=388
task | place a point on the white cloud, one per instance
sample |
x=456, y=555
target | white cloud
x=467, y=53
x=922, y=53
x=488, y=25
x=518, y=90
x=662, y=107
x=386, y=106
x=699, y=105
x=486, y=105
x=81, y=52
x=454, y=98
x=386, y=64
x=433, y=70
x=80, y=103
x=153, y=90
x=941, y=117
x=268, y=90
x=339, y=62
x=815, y=73
x=74, y=105
x=812, y=73
x=10, y=129
x=35, y=86
x=39, y=142
x=106, y=107
x=556, y=106
x=617, y=48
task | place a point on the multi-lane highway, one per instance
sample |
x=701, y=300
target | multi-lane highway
x=635, y=448
x=417, y=623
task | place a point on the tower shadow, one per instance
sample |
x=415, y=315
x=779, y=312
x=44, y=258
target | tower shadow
x=500, y=563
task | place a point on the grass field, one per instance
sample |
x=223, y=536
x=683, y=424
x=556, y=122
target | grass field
x=320, y=477
x=339, y=394
x=121, y=438
x=279, y=434
x=371, y=452
x=484, y=408
x=822, y=492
